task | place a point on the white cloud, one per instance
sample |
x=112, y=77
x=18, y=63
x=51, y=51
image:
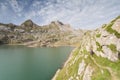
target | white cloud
x=78, y=13
x=36, y=4
x=3, y=6
x=15, y=6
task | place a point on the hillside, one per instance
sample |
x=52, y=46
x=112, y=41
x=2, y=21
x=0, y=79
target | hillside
x=97, y=52
x=28, y=33
x=97, y=57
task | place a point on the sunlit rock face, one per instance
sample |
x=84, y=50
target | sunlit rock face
x=116, y=25
x=97, y=57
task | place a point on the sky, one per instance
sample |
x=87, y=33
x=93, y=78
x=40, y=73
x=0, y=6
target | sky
x=84, y=14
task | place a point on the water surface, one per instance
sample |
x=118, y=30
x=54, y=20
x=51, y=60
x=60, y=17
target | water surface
x=23, y=63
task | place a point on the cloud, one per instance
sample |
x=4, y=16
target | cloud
x=15, y=6
x=36, y=4
x=57, y=11
x=78, y=13
x=3, y=6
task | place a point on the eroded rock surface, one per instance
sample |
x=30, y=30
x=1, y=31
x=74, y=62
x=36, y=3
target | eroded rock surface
x=33, y=35
x=97, y=57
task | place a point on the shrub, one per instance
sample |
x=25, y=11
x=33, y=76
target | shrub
x=98, y=35
x=99, y=47
x=112, y=47
x=110, y=30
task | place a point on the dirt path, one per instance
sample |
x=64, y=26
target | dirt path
x=113, y=74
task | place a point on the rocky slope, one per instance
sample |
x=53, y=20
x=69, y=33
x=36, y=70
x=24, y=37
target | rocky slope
x=97, y=57
x=30, y=34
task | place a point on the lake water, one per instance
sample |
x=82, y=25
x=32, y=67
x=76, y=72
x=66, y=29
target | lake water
x=23, y=63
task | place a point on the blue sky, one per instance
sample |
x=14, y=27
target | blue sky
x=85, y=14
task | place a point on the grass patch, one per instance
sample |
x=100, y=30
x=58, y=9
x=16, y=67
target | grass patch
x=71, y=70
x=110, y=30
x=98, y=35
x=115, y=66
x=98, y=75
x=113, y=48
x=104, y=25
x=76, y=52
x=99, y=47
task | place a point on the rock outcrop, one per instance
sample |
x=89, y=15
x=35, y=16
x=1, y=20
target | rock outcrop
x=97, y=57
x=33, y=35
x=97, y=52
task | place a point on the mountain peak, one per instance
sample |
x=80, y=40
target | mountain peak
x=57, y=22
x=61, y=26
x=28, y=23
x=29, y=20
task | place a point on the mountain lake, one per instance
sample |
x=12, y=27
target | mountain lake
x=26, y=63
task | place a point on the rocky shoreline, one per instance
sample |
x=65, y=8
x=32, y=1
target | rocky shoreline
x=96, y=55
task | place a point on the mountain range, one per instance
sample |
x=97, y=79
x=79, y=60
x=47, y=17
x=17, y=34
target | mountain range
x=96, y=55
x=28, y=33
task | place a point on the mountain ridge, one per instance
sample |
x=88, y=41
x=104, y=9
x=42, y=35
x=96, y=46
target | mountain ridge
x=31, y=34
x=97, y=57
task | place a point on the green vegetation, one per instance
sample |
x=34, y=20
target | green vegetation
x=98, y=75
x=107, y=63
x=98, y=35
x=104, y=25
x=117, y=34
x=70, y=70
x=110, y=30
x=113, y=48
x=76, y=52
x=115, y=19
x=103, y=69
x=99, y=47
